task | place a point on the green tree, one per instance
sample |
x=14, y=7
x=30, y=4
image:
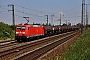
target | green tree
x=6, y=31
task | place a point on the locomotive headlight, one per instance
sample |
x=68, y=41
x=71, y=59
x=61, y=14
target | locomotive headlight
x=17, y=32
x=59, y=28
x=23, y=32
x=53, y=28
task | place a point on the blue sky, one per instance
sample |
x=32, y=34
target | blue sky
x=37, y=9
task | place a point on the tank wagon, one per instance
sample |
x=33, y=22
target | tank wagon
x=26, y=31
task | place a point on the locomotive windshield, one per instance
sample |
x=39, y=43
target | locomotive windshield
x=20, y=27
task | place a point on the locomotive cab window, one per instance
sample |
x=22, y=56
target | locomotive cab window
x=21, y=28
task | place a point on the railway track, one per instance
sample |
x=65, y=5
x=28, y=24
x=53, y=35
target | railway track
x=33, y=55
x=3, y=41
x=15, y=51
x=7, y=43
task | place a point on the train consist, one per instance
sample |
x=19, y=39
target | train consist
x=26, y=31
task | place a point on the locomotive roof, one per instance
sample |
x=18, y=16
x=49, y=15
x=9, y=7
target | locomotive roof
x=36, y=25
x=32, y=25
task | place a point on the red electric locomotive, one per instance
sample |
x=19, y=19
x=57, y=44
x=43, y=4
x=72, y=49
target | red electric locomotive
x=25, y=31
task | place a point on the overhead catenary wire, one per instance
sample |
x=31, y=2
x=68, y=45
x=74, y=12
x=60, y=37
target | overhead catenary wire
x=18, y=15
x=29, y=8
x=73, y=17
x=28, y=13
x=4, y=8
x=10, y=14
x=38, y=10
x=19, y=11
x=37, y=15
x=33, y=9
x=72, y=8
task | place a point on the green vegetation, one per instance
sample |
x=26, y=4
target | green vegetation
x=80, y=50
x=6, y=31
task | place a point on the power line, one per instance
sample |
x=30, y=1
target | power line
x=3, y=8
x=72, y=8
x=32, y=9
x=39, y=10
x=28, y=13
x=5, y=13
x=10, y=14
x=22, y=12
x=29, y=8
x=73, y=17
x=37, y=15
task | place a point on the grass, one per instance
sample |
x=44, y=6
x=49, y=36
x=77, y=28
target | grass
x=80, y=50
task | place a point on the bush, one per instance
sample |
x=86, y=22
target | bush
x=6, y=31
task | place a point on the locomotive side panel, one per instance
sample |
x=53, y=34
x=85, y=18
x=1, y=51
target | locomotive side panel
x=36, y=31
x=23, y=32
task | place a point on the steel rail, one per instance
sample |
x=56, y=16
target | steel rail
x=31, y=55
